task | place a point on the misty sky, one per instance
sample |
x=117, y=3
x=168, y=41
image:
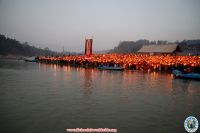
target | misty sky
x=57, y=23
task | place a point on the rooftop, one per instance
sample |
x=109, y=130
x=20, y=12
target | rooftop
x=161, y=48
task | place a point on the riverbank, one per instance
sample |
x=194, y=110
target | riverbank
x=13, y=57
x=130, y=61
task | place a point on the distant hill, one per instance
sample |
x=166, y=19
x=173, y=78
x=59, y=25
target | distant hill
x=13, y=47
x=190, y=46
x=191, y=42
x=186, y=46
x=129, y=46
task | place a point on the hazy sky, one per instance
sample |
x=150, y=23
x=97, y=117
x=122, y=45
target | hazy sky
x=57, y=23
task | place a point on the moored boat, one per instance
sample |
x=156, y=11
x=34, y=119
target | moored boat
x=30, y=59
x=180, y=74
x=111, y=68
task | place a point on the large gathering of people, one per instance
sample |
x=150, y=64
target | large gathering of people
x=136, y=61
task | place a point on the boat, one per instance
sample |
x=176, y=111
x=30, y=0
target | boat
x=180, y=74
x=110, y=68
x=30, y=59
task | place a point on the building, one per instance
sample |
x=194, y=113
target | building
x=88, y=47
x=159, y=49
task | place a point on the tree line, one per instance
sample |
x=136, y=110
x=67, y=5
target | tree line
x=10, y=46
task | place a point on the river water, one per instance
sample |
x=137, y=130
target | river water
x=47, y=98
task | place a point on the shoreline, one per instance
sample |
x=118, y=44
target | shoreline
x=163, y=63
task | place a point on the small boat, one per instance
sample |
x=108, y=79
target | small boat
x=30, y=59
x=179, y=74
x=110, y=68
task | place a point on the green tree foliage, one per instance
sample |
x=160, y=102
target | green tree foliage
x=14, y=47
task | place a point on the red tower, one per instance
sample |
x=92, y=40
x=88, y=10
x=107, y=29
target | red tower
x=88, y=47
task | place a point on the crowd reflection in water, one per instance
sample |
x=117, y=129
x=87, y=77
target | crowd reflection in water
x=90, y=78
x=88, y=83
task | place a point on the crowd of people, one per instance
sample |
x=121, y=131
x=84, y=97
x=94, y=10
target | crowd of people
x=136, y=61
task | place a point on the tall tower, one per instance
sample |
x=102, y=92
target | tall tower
x=88, y=47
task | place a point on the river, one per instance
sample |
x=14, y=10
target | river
x=49, y=98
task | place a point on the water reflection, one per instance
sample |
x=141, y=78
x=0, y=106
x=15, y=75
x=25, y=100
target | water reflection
x=188, y=86
x=127, y=80
x=87, y=81
x=75, y=96
x=180, y=87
